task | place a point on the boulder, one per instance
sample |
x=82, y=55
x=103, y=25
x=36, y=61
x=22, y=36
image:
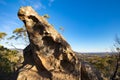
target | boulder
x=48, y=56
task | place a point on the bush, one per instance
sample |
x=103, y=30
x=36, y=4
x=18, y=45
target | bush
x=8, y=60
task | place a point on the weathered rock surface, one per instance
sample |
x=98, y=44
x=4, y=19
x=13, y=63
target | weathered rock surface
x=89, y=72
x=48, y=56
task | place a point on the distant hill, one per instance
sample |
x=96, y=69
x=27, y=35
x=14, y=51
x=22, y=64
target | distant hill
x=96, y=53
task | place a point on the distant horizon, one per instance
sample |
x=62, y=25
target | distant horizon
x=73, y=50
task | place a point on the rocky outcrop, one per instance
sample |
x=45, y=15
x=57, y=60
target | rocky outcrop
x=48, y=56
x=89, y=72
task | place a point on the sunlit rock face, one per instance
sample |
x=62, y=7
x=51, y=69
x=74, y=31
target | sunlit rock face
x=48, y=56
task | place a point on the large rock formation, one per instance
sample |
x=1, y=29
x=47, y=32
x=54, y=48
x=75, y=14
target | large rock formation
x=48, y=56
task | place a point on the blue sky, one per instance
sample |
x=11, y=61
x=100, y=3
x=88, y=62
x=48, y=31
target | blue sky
x=89, y=25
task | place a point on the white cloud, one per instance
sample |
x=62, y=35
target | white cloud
x=50, y=2
x=36, y=4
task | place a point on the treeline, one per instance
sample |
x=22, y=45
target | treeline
x=106, y=64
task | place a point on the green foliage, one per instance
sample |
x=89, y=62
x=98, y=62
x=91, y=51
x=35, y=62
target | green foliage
x=18, y=30
x=8, y=60
x=19, y=33
x=46, y=16
x=61, y=28
x=2, y=35
x=105, y=64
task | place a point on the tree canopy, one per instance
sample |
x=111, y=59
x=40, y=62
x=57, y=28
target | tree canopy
x=2, y=35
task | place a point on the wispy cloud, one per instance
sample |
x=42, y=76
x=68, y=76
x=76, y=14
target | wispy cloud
x=36, y=4
x=50, y=2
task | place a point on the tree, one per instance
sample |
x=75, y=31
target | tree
x=117, y=46
x=20, y=33
x=8, y=58
x=2, y=35
x=46, y=16
x=61, y=29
